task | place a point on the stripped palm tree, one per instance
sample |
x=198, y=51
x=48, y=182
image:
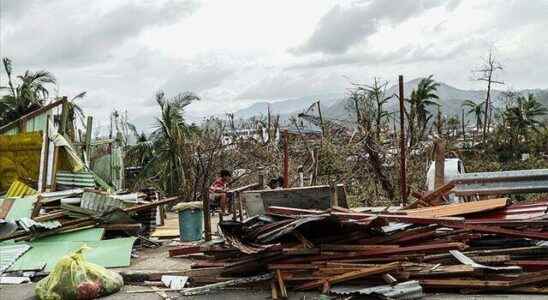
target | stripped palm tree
x=30, y=94
x=525, y=115
x=477, y=109
x=421, y=98
x=169, y=140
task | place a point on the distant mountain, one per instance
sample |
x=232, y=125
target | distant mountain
x=335, y=105
x=288, y=107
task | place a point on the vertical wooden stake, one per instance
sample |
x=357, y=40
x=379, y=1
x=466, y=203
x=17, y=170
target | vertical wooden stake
x=207, y=219
x=439, y=147
x=334, y=196
x=403, y=178
x=89, y=125
x=286, y=160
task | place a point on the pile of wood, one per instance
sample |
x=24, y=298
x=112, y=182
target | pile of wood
x=470, y=247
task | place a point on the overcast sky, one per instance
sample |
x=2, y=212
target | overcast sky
x=233, y=53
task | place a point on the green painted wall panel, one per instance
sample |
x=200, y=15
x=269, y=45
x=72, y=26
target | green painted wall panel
x=107, y=253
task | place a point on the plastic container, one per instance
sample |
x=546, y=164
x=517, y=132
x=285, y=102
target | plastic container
x=191, y=219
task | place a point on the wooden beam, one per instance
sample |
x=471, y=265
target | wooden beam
x=351, y=275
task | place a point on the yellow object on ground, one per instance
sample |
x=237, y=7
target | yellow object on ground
x=75, y=278
x=19, y=157
x=19, y=189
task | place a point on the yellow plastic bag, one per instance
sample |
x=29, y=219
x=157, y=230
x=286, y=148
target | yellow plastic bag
x=75, y=278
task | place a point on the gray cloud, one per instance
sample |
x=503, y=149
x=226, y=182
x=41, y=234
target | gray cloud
x=289, y=84
x=344, y=26
x=60, y=33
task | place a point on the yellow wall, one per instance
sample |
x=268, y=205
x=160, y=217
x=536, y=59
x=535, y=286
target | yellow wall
x=19, y=157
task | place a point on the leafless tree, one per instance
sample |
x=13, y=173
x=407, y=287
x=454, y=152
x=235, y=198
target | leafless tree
x=487, y=73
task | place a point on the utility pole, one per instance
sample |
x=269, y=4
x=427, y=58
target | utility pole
x=321, y=118
x=403, y=178
x=286, y=160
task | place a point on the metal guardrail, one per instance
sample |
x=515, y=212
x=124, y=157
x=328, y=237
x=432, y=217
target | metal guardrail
x=503, y=182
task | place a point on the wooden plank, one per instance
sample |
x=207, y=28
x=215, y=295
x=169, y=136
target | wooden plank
x=281, y=284
x=6, y=207
x=335, y=247
x=457, y=209
x=351, y=275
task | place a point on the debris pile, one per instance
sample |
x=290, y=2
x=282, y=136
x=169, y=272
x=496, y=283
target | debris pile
x=471, y=247
x=58, y=223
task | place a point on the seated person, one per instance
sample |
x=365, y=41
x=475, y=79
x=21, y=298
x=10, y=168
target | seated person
x=218, y=190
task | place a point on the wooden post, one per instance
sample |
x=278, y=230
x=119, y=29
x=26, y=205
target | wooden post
x=89, y=125
x=403, y=179
x=240, y=208
x=286, y=160
x=45, y=157
x=207, y=218
x=334, y=196
x=439, y=147
x=260, y=179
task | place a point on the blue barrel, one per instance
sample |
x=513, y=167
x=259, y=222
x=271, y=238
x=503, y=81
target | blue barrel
x=190, y=224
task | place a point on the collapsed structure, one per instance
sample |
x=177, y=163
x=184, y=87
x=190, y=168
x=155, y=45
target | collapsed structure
x=60, y=195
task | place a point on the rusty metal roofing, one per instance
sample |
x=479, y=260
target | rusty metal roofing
x=10, y=253
x=19, y=189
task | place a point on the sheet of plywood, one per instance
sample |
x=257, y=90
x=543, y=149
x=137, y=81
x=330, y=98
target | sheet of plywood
x=83, y=235
x=458, y=208
x=107, y=253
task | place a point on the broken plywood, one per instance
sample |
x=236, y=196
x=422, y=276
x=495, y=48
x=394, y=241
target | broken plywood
x=458, y=209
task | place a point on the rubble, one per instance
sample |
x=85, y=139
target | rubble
x=321, y=249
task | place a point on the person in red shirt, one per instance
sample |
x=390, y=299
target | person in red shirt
x=218, y=190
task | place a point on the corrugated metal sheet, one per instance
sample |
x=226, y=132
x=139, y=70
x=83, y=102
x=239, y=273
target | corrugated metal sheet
x=100, y=202
x=19, y=189
x=9, y=255
x=30, y=225
x=74, y=180
x=52, y=196
x=406, y=290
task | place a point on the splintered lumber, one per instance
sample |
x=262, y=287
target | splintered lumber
x=50, y=216
x=520, y=250
x=234, y=282
x=525, y=279
x=458, y=209
x=292, y=267
x=446, y=221
x=433, y=196
x=508, y=232
x=281, y=284
x=530, y=264
x=185, y=250
x=350, y=276
x=274, y=290
x=457, y=270
x=431, y=248
x=335, y=247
